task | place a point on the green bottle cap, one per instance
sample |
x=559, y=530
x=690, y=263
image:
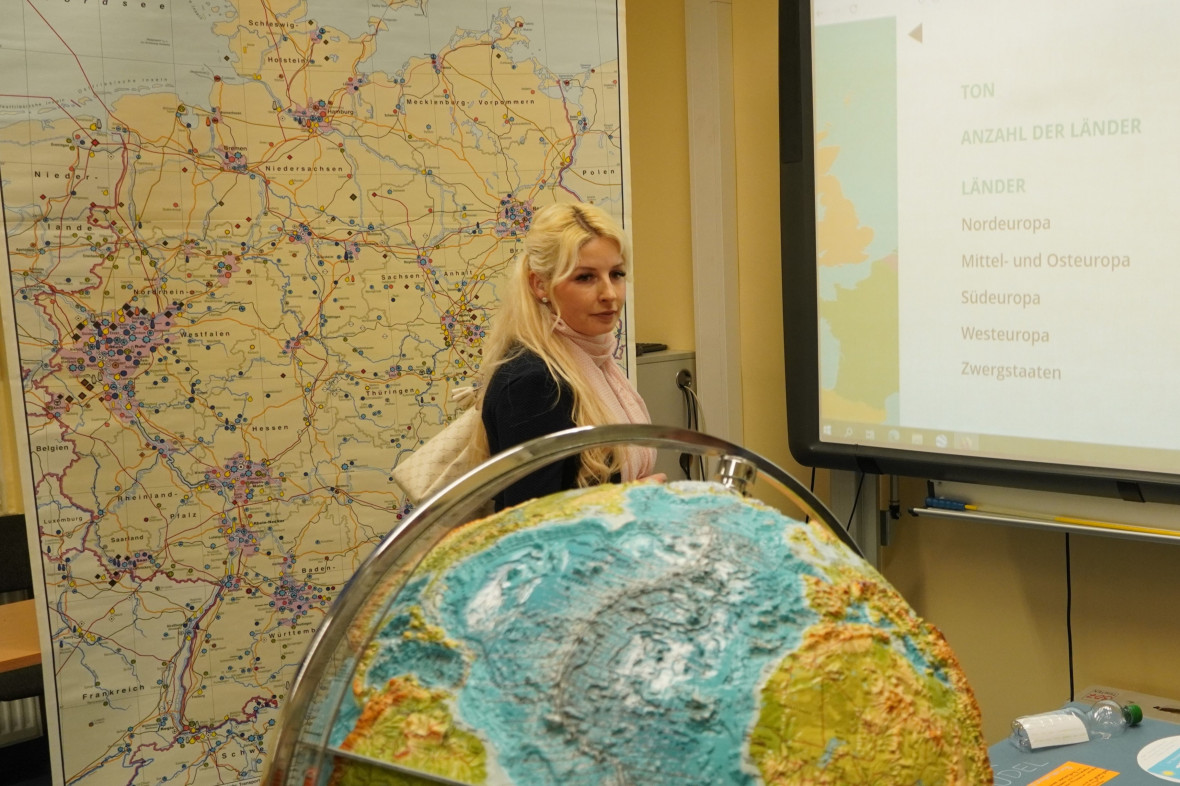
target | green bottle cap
x=1133, y=713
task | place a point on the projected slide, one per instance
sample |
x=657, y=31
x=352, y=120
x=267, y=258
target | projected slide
x=997, y=234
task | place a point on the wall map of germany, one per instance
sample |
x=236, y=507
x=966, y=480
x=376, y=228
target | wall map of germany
x=252, y=246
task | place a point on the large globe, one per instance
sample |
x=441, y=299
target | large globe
x=649, y=634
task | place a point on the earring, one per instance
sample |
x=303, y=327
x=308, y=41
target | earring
x=544, y=300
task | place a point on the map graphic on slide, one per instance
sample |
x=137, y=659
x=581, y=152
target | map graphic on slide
x=253, y=245
x=856, y=212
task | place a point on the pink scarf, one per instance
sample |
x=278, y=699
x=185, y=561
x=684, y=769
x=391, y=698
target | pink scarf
x=594, y=356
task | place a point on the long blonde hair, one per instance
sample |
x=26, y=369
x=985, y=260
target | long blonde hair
x=551, y=249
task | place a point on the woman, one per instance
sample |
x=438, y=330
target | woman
x=548, y=364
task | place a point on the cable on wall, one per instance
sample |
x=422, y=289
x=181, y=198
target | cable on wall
x=1069, y=615
x=695, y=422
x=855, y=499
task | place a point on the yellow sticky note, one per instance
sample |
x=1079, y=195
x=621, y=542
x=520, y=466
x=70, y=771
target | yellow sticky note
x=1073, y=774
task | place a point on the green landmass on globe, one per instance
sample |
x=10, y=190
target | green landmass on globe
x=653, y=633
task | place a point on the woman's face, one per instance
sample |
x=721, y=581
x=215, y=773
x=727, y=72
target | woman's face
x=591, y=300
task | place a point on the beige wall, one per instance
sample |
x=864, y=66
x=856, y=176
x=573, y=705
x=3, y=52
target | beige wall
x=658, y=135
x=661, y=213
x=764, y=385
x=998, y=593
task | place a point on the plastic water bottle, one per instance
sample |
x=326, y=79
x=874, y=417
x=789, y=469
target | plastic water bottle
x=1070, y=725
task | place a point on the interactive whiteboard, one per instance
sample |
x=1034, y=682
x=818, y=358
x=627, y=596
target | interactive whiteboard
x=980, y=234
